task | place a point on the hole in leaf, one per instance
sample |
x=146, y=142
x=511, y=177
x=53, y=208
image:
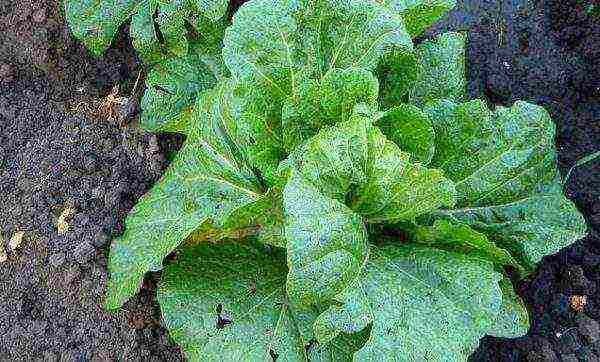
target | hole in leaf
x=159, y=35
x=273, y=354
x=223, y=322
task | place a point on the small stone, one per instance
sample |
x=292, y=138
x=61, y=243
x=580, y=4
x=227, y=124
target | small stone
x=50, y=356
x=39, y=16
x=100, y=239
x=569, y=358
x=84, y=253
x=589, y=328
x=56, y=260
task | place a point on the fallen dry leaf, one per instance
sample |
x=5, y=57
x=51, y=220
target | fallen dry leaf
x=61, y=224
x=3, y=256
x=16, y=240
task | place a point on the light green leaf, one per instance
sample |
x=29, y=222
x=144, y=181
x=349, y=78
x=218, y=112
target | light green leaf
x=513, y=319
x=250, y=120
x=214, y=10
x=279, y=43
x=504, y=166
x=441, y=72
x=411, y=129
x=207, y=182
x=327, y=243
x=327, y=102
x=95, y=22
x=345, y=172
x=172, y=89
x=463, y=239
x=228, y=302
x=424, y=304
x=419, y=15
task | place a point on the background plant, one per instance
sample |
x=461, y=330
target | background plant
x=326, y=129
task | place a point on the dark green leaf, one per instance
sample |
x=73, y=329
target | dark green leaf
x=504, y=166
x=441, y=72
x=411, y=129
x=420, y=14
x=228, y=302
x=424, y=304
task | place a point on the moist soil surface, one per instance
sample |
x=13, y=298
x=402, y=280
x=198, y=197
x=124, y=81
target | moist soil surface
x=69, y=174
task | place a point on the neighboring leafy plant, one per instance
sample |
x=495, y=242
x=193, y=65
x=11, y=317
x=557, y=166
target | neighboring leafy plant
x=180, y=42
x=330, y=133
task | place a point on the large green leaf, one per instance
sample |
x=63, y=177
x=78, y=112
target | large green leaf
x=462, y=238
x=352, y=174
x=441, y=72
x=208, y=182
x=420, y=14
x=436, y=70
x=95, y=22
x=504, y=166
x=228, y=303
x=423, y=304
x=279, y=43
x=326, y=102
x=513, y=319
x=172, y=89
x=327, y=242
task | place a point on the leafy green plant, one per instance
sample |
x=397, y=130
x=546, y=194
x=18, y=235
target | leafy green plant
x=327, y=132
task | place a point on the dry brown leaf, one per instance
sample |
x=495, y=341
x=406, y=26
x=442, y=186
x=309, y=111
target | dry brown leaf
x=16, y=240
x=62, y=225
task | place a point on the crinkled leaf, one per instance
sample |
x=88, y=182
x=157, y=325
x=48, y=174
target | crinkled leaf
x=504, y=166
x=441, y=72
x=207, y=182
x=327, y=242
x=214, y=10
x=463, y=239
x=424, y=304
x=261, y=219
x=95, y=22
x=397, y=75
x=172, y=89
x=228, y=302
x=326, y=102
x=411, y=129
x=170, y=40
x=279, y=43
x=345, y=171
x=251, y=123
x=513, y=319
x=419, y=15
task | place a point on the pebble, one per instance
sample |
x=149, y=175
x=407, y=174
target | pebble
x=568, y=341
x=589, y=328
x=84, y=253
x=56, y=260
x=39, y=16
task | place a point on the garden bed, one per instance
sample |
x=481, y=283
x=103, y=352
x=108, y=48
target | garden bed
x=56, y=157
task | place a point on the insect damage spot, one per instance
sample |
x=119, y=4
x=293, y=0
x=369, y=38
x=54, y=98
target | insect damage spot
x=222, y=320
x=274, y=355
